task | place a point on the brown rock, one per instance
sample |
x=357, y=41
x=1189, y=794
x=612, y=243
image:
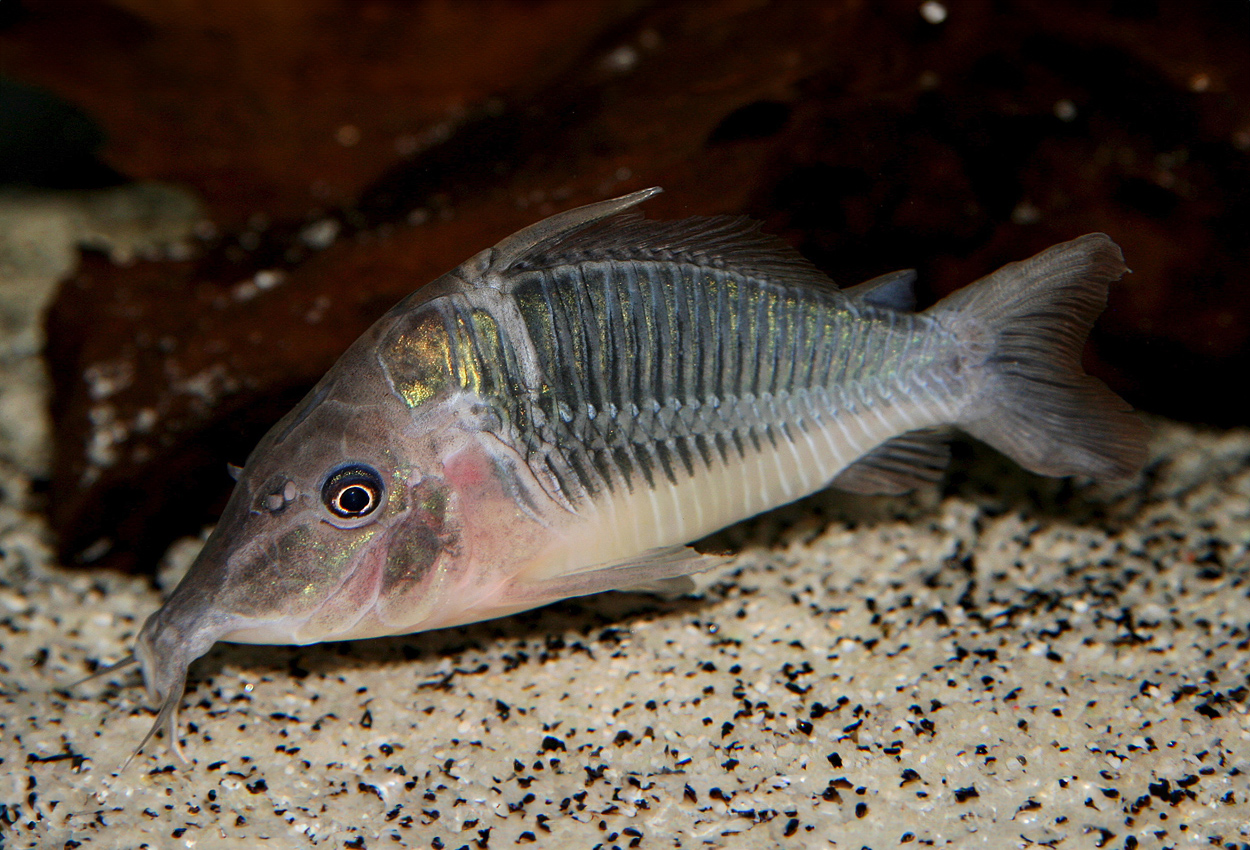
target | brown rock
x=270, y=109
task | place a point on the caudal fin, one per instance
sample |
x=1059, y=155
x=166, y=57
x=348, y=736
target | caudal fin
x=1024, y=327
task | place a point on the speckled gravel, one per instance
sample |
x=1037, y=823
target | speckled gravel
x=1017, y=662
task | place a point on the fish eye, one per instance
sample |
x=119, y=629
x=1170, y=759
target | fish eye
x=352, y=491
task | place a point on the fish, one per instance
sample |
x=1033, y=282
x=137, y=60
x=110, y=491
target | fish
x=563, y=413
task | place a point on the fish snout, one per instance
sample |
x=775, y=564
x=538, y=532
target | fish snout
x=161, y=651
x=165, y=649
x=172, y=638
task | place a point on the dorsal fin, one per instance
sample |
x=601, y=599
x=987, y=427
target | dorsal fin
x=898, y=465
x=594, y=233
x=540, y=236
x=893, y=291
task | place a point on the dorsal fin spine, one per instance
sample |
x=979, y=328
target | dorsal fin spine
x=561, y=225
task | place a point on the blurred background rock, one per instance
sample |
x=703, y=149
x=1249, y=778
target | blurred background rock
x=348, y=151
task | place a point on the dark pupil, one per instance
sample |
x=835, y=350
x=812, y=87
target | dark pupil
x=352, y=492
x=355, y=499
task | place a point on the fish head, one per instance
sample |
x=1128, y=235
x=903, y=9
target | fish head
x=341, y=504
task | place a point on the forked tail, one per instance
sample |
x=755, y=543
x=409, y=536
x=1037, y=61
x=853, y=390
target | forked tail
x=1023, y=329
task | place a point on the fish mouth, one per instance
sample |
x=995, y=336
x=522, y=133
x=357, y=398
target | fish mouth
x=163, y=657
x=167, y=645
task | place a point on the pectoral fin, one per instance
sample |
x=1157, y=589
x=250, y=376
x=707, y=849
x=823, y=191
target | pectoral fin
x=667, y=588
x=655, y=571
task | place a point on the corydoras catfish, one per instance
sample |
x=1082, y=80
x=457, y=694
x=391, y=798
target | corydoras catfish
x=562, y=413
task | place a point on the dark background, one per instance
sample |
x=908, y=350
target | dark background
x=868, y=136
